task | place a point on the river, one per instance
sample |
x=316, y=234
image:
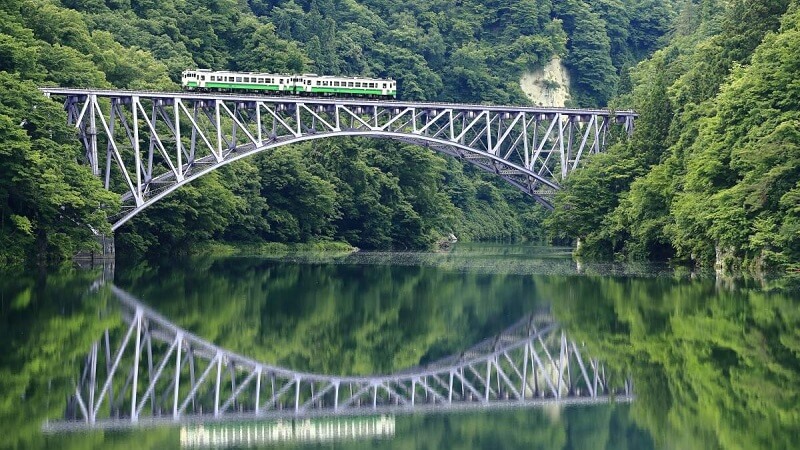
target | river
x=715, y=362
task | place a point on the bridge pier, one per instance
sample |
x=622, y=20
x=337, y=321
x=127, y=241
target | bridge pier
x=102, y=257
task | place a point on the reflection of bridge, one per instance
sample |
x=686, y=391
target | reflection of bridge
x=254, y=433
x=147, y=144
x=152, y=371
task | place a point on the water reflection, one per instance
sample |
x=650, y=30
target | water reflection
x=716, y=365
x=255, y=434
x=167, y=377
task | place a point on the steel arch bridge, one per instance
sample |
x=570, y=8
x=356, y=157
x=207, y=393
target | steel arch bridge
x=151, y=371
x=145, y=145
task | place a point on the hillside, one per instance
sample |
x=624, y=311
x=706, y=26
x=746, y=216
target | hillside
x=373, y=195
x=712, y=174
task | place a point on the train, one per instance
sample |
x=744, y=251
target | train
x=309, y=84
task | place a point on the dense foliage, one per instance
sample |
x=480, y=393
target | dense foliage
x=370, y=194
x=712, y=174
x=714, y=366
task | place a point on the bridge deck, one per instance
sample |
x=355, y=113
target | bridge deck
x=112, y=93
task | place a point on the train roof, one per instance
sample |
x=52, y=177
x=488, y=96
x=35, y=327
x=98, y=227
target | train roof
x=341, y=77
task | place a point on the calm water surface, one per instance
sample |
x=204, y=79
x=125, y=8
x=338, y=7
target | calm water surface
x=715, y=362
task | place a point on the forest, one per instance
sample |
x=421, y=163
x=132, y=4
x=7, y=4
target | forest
x=711, y=176
x=368, y=194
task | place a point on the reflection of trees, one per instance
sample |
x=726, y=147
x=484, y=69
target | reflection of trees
x=713, y=368
x=593, y=427
x=334, y=318
x=47, y=323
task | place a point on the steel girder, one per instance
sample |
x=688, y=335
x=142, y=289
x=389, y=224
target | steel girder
x=151, y=370
x=145, y=145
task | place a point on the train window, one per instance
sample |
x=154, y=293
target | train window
x=358, y=84
x=246, y=79
x=335, y=84
x=349, y=84
x=202, y=78
x=238, y=79
x=384, y=85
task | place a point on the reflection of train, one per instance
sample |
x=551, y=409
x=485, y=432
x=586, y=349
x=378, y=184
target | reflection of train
x=306, y=84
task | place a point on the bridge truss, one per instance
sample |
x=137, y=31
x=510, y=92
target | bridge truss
x=152, y=371
x=145, y=145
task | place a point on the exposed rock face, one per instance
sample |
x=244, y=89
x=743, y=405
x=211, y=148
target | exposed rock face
x=548, y=86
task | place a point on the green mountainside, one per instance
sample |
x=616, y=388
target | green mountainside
x=370, y=194
x=712, y=174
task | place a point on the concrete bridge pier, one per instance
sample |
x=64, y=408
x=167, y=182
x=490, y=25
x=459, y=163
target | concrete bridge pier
x=102, y=257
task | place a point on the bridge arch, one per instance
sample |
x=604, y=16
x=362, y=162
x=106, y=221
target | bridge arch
x=160, y=141
x=499, y=166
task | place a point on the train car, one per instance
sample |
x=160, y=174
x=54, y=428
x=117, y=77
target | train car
x=313, y=84
x=208, y=80
x=307, y=84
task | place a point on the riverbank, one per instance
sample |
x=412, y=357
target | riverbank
x=272, y=248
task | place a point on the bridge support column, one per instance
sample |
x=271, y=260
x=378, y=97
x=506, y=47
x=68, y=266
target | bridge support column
x=100, y=257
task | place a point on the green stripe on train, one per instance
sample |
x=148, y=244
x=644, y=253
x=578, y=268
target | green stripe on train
x=339, y=90
x=255, y=87
x=275, y=87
